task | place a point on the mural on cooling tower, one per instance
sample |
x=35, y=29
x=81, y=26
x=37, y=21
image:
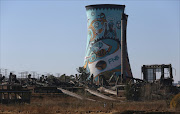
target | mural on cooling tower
x=103, y=51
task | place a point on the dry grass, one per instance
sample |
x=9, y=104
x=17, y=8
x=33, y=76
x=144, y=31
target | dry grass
x=68, y=105
x=175, y=102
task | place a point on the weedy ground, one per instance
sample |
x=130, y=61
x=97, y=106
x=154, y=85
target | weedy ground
x=63, y=104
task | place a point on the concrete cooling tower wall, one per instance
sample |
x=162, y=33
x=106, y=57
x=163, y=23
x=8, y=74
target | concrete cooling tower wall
x=103, y=51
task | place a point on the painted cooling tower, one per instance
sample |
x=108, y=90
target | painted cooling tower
x=103, y=51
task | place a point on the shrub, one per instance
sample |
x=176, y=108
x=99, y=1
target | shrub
x=175, y=102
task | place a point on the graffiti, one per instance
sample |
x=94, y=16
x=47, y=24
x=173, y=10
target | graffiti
x=118, y=24
x=103, y=46
x=96, y=26
x=111, y=32
x=113, y=59
x=101, y=65
x=101, y=53
x=92, y=13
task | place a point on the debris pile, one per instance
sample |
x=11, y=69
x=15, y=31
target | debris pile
x=109, y=89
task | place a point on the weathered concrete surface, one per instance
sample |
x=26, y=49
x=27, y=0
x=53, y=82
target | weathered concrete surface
x=74, y=95
x=102, y=89
x=99, y=95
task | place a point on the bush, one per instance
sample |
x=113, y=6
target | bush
x=175, y=102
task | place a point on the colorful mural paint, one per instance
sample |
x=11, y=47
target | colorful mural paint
x=103, y=51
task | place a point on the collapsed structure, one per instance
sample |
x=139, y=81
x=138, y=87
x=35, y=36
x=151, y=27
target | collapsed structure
x=149, y=72
x=106, y=51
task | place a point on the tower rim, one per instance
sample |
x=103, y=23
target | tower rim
x=99, y=6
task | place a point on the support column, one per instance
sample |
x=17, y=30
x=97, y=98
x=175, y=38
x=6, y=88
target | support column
x=170, y=71
x=154, y=74
x=143, y=68
x=123, y=39
x=162, y=72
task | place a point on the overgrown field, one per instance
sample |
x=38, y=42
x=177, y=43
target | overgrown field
x=68, y=105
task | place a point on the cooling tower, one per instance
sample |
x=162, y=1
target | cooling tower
x=103, y=51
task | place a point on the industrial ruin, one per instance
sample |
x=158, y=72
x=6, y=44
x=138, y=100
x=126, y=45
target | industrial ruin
x=106, y=72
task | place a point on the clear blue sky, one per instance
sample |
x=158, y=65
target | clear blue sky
x=50, y=36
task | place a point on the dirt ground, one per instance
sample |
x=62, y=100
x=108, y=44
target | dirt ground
x=62, y=104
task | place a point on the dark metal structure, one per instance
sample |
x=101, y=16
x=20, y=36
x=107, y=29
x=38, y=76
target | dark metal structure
x=14, y=94
x=149, y=72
